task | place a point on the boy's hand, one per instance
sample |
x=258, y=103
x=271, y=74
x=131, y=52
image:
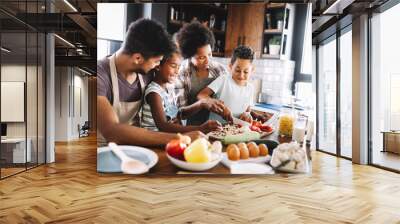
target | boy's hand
x=246, y=116
x=213, y=105
x=210, y=125
x=227, y=115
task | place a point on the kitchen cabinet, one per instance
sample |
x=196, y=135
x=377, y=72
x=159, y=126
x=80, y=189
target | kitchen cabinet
x=278, y=31
x=245, y=27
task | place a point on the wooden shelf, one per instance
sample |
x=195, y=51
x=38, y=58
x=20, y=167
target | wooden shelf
x=176, y=22
x=275, y=5
x=202, y=12
x=273, y=31
x=220, y=32
x=269, y=56
x=212, y=6
x=218, y=54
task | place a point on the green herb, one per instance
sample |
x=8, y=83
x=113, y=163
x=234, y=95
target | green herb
x=275, y=40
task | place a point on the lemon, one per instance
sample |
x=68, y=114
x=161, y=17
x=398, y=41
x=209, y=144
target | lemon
x=198, y=152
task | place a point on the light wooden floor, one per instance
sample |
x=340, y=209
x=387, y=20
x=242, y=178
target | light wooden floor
x=70, y=191
x=387, y=159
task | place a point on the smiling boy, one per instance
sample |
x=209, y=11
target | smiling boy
x=234, y=90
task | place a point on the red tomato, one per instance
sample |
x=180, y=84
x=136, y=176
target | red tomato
x=266, y=128
x=255, y=128
x=256, y=124
x=175, y=148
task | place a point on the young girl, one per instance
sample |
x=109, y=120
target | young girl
x=160, y=110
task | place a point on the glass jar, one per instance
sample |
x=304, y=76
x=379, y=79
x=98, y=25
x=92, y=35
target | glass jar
x=286, y=123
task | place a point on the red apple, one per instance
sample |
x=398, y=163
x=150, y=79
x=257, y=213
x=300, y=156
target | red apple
x=175, y=148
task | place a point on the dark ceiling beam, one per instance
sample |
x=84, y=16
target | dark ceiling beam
x=78, y=61
x=86, y=26
x=321, y=22
x=91, y=5
x=49, y=22
x=337, y=7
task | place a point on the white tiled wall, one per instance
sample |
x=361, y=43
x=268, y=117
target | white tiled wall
x=271, y=78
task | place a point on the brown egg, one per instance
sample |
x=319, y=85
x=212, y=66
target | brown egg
x=253, y=150
x=244, y=153
x=263, y=149
x=242, y=145
x=233, y=152
x=251, y=144
x=231, y=146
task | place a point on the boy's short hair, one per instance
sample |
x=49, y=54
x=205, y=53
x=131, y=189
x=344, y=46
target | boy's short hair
x=193, y=36
x=242, y=52
x=147, y=37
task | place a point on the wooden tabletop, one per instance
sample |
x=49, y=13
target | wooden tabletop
x=165, y=167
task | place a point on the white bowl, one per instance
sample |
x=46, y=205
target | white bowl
x=194, y=166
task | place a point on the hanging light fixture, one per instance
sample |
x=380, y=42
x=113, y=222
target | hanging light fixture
x=5, y=50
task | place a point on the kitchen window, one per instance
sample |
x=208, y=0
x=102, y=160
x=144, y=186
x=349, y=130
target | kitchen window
x=346, y=92
x=326, y=129
x=23, y=90
x=385, y=89
x=334, y=89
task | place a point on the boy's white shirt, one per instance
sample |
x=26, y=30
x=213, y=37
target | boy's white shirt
x=236, y=98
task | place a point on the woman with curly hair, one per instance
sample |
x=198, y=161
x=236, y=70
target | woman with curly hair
x=198, y=70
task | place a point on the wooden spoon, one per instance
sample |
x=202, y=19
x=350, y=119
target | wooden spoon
x=128, y=165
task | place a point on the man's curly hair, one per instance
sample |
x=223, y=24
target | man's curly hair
x=193, y=36
x=147, y=37
x=242, y=52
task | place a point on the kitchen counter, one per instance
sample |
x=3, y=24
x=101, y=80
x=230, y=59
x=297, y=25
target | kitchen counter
x=165, y=168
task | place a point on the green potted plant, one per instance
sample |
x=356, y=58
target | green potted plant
x=274, y=45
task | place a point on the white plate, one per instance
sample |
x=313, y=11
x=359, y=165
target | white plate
x=251, y=168
x=228, y=163
x=194, y=166
x=108, y=164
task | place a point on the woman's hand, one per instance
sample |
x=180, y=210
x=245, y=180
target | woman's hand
x=210, y=125
x=213, y=105
x=246, y=116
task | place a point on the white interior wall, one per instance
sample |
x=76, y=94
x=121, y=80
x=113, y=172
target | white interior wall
x=70, y=83
x=61, y=103
x=14, y=73
x=34, y=125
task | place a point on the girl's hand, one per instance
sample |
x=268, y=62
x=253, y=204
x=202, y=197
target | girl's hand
x=210, y=125
x=175, y=121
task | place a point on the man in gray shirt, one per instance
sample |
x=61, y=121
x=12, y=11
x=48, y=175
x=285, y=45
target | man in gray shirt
x=121, y=84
